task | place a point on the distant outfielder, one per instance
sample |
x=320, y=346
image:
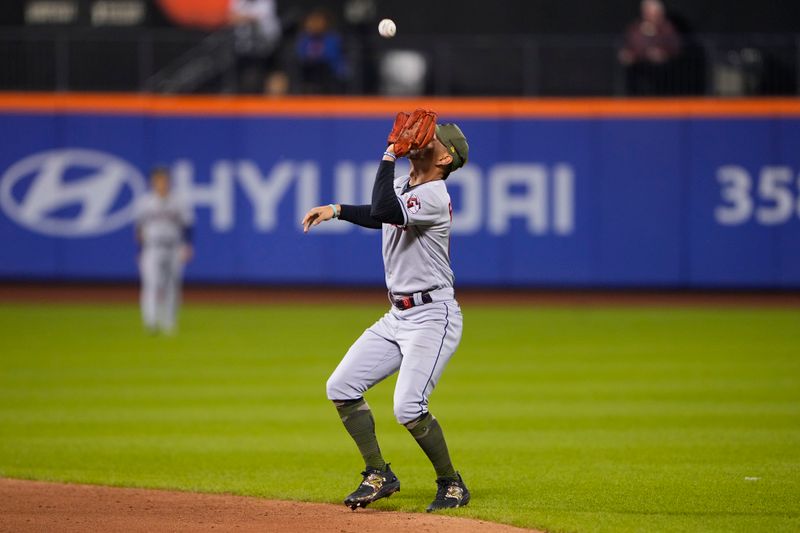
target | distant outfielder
x=422, y=329
x=163, y=233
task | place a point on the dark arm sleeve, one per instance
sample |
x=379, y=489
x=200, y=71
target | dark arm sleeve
x=188, y=234
x=359, y=214
x=385, y=203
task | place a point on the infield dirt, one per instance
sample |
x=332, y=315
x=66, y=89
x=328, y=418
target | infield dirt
x=28, y=506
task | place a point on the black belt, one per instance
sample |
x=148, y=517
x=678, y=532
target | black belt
x=406, y=301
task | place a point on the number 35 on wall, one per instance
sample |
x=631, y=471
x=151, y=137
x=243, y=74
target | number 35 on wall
x=774, y=199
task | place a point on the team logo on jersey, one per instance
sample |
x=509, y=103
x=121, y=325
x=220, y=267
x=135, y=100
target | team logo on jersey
x=71, y=192
x=413, y=204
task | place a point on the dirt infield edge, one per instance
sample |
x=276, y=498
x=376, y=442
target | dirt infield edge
x=32, y=506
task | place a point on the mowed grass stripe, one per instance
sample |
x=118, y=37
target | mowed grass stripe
x=567, y=419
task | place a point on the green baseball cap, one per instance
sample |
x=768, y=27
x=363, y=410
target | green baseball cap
x=453, y=139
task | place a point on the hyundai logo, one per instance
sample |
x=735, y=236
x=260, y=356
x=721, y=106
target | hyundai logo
x=71, y=192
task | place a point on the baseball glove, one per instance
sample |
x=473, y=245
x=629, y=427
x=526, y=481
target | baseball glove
x=417, y=132
x=399, y=124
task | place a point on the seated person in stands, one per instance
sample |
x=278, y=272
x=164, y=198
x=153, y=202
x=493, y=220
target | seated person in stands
x=651, y=43
x=319, y=55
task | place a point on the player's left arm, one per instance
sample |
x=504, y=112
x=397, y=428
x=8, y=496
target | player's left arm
x=138, y=235
x=188, y=243
x=187, y=232
x=412, y=131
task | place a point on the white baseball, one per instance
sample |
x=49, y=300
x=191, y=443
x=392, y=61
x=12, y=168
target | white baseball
x=387, y=28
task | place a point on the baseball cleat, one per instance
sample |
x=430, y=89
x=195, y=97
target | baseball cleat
x=451, y=493
x=376, y=484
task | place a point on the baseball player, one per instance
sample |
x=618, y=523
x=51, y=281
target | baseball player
x=422, y=329
x=164, y=236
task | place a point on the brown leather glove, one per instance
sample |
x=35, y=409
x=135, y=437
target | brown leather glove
x=417, y=132
x=399, y=124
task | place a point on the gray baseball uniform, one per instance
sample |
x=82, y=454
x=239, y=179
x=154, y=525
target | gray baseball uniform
x=161, y=223
x=420, y=340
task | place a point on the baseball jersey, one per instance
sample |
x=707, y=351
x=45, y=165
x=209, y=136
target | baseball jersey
x=416, y=256
x=162, y=221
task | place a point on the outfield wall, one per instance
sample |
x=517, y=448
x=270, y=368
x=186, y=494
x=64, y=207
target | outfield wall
x=678, y=193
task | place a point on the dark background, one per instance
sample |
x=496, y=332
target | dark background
x=585, y=17
x=538, y=16
x=497, y=48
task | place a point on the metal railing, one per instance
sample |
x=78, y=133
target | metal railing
x=181, y=61
x=78, y=59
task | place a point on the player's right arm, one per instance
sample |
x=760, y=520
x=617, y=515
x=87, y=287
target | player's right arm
x=361, y=215
x=386, y=206
x=384, y=209
x=187, y=230
x=356, y=214
x=318, y=215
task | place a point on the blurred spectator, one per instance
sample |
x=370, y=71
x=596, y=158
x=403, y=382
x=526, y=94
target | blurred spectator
x=277, y=84
x=319, y=55
x=651, y=45
x=257, y=33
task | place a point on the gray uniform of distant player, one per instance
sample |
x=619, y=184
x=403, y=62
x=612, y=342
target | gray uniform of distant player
x=162, y=224
x=418, y=341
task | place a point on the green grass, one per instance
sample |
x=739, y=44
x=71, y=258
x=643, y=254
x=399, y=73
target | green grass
x=562, y=419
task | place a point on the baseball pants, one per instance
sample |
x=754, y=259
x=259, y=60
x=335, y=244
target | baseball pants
x=417, y=342
x=161, y=271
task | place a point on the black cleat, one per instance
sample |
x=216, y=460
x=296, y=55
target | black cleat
x=376, y=484
x=451, y=493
